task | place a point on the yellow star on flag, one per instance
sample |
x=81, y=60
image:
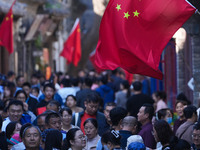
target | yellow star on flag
x=136, y=13
x=7, y=18
x=126, y=15
x=118, y=7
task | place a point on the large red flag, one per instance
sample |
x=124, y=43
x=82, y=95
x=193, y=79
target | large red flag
x=133, y=33
x=6, y=31
x=72, y=46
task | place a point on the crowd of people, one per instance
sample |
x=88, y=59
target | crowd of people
x=92, y=111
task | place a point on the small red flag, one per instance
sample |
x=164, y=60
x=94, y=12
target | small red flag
x=133, y=33
x=72, y=46
x=6, y=31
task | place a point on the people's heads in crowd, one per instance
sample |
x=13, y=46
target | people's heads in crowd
x=117, y=114
x=27, y=88
x=1, y=122
x=53, y=105
x=21, y=95
x=70, y=101
x=41, y=121
x=15, y=110
x=104, y=79
x=190, y=112
x=34, y=79
x=35, y=91
x=11, y=76
x=20, y=80
x=2, y=106
x=92, y=103
x=179, y=144
x=66, y=114
x=91, y=128
x=13, y=129
x=75, y=139
x=53, y=121
x=9, y=90
x=66, y=82
x=23, y=127
x=183, y=97
x=52, y=139
x=49, y=90
x=158, y=95
x=145, y=114
x=136, y=146
x=87, y=82
x=111, y=139
x=75, y=82
x=31, y=137
x=180, y=105
x=107, y=108
x=134, y=138
x=165, y=114
x=162, y=132
x=137, y=86
x=196, y=135
x=129, y=123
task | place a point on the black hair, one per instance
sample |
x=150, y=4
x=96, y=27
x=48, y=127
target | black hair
x=93, y=97
x=149, y=110
x=110, y=104
x=179, y=144
x=53, y=139
x=111, y=136
x=1, y=121
x=67, y=110
x=51, y=85
x=117, y=114
x=137, y=86
x=126, y=85
x=164, y=131
x=93, y=121
x=54, y=102
x=75, y=81
x=180, y=101
x=28, y=127
x=14, y=102
x=74, y=97
x=10, y=129
x=18, y=77
x=71, y=136
x=66, y=82
x=88, y=81
x=183, y=97
x=27, y=84
x=36, y=88
x=104, y=79
x=189, y=110
x=161, y=95
x=2, y=106
x=24, y=126
x=10, y=73
x=51, y=115
x=162, y=113
x=19, y=92
x=196, y=126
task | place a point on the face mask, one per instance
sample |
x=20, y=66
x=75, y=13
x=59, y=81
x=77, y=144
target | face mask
x=169, y=120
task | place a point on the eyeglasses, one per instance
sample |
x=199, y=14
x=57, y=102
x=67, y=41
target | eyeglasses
x=196, y=136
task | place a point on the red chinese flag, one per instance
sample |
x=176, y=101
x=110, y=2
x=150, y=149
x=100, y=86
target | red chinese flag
x=133, y=33
x=6, y=31
x=72, y=46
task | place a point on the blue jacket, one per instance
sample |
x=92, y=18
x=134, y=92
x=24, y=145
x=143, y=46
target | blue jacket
x=101, y=120
x=106, y=93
